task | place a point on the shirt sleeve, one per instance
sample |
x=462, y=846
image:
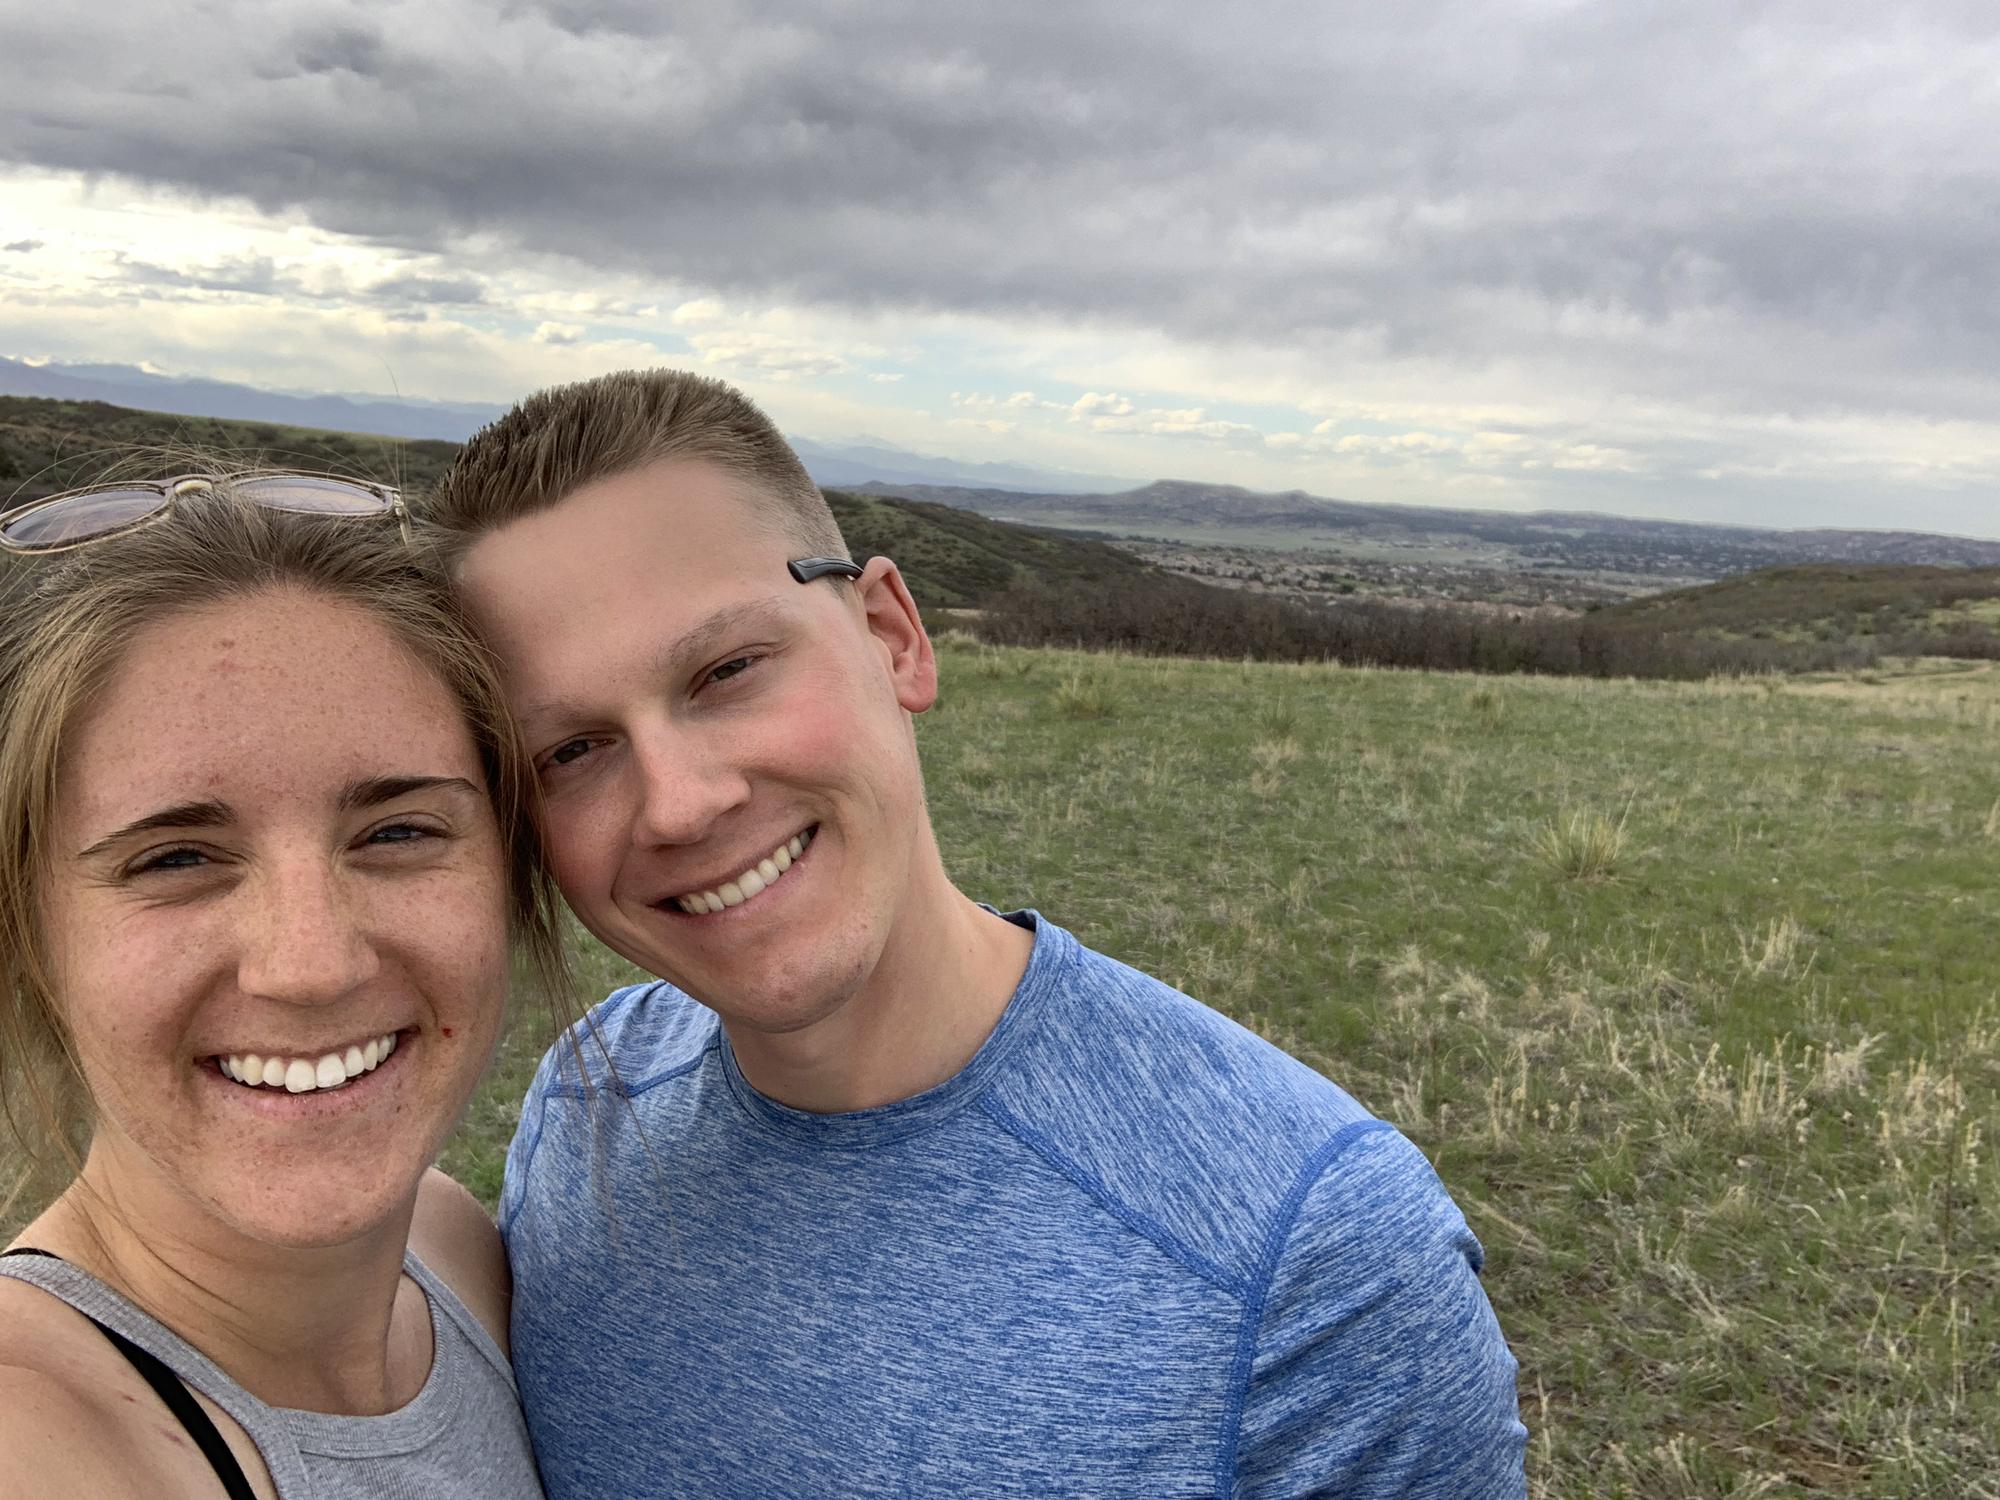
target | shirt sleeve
x=1378, y=1367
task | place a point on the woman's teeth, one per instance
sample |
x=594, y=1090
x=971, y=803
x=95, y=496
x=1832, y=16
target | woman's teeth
x=302, y=1075
x=750, y=883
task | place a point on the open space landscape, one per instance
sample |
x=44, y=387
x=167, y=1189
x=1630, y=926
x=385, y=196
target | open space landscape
x=1688, y=988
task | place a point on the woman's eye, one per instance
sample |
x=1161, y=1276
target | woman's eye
x=401, y=833
x=168, y=859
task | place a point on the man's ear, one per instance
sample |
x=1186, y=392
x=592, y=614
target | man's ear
x=898, y=629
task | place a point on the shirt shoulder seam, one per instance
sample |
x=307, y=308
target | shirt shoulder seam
x=1259, y=1290
x=510, y=1192
x=1131, y=1218
x=631, y=1089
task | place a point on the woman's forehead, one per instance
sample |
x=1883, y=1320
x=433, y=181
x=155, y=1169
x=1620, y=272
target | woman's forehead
x=264, y=695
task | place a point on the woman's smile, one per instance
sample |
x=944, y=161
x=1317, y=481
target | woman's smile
x=303, y=1073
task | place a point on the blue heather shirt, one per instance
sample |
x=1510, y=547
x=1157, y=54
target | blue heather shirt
x=1130, y=1250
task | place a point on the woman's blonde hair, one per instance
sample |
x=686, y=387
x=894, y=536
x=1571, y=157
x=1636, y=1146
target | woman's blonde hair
x=68, y=621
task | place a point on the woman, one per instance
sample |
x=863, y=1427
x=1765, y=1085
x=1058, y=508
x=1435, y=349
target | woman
x=274, y=836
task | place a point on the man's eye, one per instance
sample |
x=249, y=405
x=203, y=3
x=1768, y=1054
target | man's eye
x=566, y=752
x=730, y=668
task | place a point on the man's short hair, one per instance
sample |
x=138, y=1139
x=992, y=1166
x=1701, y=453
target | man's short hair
x=568, y=436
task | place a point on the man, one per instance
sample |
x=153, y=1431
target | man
x=881, y=1192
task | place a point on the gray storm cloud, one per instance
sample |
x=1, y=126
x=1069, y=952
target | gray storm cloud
x=1792, y=204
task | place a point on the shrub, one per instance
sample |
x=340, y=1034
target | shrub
x=1079, y=696
x=1178, y=617
x=1581, y=845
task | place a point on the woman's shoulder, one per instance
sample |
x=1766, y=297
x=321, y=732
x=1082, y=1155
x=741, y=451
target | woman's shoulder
x=453, y=1235
x=75, y=1419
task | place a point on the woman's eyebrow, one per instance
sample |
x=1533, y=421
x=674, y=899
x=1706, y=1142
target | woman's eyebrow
x=182, y=815
x=372, y=791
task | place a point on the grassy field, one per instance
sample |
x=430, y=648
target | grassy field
x=1690, y=991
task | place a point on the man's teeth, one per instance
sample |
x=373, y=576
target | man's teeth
x=302, y=1075
x=750, y=883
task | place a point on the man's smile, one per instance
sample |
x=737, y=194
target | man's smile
x=748, y=885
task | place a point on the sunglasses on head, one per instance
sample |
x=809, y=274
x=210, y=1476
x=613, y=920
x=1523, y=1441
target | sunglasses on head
x=77, y=518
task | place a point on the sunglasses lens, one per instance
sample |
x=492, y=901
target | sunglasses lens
x=310, y=495
x=77, y=518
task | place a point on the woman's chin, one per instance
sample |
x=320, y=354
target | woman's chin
x=304, y=1170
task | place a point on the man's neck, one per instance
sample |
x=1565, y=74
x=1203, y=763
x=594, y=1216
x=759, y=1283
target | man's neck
x=935, y=995
x=310, y=1328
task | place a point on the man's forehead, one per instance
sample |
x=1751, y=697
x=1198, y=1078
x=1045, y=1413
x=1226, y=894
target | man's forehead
x=682, y=514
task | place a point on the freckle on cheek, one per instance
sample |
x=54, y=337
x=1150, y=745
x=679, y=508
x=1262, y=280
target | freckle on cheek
x=446, y=1030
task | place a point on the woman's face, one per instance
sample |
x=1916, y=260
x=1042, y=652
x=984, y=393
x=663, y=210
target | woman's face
x=274, y=853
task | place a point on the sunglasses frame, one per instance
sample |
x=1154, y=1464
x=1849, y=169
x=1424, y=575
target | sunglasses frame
x=806, y=569
x=169, y=490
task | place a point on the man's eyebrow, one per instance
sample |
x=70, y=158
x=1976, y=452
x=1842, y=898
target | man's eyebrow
x=681, y=657
x=182, y=815
x=373, y=791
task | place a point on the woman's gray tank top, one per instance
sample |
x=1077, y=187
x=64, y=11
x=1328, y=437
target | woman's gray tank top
x=460, y=1438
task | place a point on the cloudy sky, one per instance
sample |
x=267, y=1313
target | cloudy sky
x=1723, y=261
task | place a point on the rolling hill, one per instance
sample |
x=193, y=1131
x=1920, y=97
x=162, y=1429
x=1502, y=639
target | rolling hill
x=953, y=559
x=1823, y=600
x=1178, y=510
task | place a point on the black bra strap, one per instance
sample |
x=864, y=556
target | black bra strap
x=180, y=1401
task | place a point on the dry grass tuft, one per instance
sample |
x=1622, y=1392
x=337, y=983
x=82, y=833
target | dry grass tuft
x=1080, y=696
x=1581, y=845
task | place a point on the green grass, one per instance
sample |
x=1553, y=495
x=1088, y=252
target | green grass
x=1691, y=990
x=1723, y=1120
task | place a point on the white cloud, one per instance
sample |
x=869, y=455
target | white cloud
x=1092, y=403
x=1394, y=443
x=771, y=355
x=698, y=312
x=558, y=333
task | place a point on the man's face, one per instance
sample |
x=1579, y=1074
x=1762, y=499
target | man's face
x=702, y=723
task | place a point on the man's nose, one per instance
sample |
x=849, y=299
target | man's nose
x=685, y=782
x=304, y=938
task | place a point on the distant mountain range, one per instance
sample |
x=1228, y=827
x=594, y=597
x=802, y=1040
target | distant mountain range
x=128, y=385
x=839, y=464
x=1179, y=510
x=1175, y=510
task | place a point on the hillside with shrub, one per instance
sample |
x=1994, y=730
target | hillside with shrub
x=49, y=446
x=1903, y=610
x=1021, y=585
x=954, y=559
x=1177, y=617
